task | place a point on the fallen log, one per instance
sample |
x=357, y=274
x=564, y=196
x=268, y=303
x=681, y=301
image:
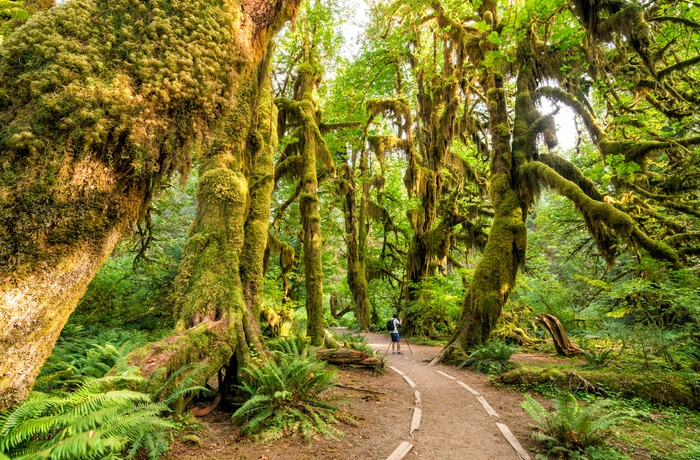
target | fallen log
x=348, y=356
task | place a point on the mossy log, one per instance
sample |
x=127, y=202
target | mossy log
x=562, y=344
x=348, y=356
x=669, y=388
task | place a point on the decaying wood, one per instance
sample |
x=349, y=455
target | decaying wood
x=349, y=356
x=563, y=345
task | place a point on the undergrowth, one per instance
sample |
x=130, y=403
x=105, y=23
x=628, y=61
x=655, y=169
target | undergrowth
x=572, y=429
x=492, y=358
x=100, y=419
x=284, y=400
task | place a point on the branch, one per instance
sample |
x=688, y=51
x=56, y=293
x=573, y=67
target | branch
x=328, y=127
x=594, y=128
x=570, y=171
x=603, y=212
x=677, y=66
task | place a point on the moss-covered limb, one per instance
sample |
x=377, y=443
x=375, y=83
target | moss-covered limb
x=638, y=150
x=595, y=130
x=668, y=201
x=325, y=128
x=397, y=108
x=571, y=172
x=691, y=239
x=663, y=73
x=603, y=212
x=677, y=20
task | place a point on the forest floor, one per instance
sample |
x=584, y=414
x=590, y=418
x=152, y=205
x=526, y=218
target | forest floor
x=454, y=423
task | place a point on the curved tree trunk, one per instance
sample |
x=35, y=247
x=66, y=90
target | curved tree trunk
x=76, y=181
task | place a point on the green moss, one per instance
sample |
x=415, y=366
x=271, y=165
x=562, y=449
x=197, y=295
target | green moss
x=669, y=388
x=97, y=92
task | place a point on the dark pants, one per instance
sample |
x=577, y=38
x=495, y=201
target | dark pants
x=395, y=337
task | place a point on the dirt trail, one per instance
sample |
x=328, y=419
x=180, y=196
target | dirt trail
x=454, y=424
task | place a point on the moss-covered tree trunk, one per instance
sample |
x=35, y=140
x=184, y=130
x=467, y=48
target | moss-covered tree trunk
x=504, y=254
x=90, y=129
x=308, y=206
x=355, y=236
x=219, y=283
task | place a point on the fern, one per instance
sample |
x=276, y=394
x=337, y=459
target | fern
x=298, y=346
x=492, y=358
x=284, y=399
x=572, y=428
x=95, y=421
x=357, y=342
x=597, y=358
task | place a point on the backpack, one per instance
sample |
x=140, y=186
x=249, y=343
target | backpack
x=390, y=325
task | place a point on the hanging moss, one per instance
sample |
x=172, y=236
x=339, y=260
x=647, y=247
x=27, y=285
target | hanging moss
x=602, y=211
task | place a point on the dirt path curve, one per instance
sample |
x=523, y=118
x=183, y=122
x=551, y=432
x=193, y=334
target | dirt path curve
x=453, y=423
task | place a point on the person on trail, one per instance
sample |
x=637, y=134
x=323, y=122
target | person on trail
x=395, y=337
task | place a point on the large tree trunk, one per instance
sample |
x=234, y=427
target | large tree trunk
x=308, y=207
x=504, y=253
x=219, y=283
x=84, y=149
x=355, y=237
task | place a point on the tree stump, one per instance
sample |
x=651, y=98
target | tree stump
x=562, y=343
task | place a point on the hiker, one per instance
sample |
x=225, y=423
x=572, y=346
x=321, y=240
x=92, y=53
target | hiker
x=394, y=322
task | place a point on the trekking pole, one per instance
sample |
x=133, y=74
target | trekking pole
x=409, y=345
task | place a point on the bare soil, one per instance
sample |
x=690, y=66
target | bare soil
x=454, y=424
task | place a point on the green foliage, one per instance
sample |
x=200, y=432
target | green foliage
x=492, y=358
x=137, y=293
x=85, y=352
x=572, y=428
x=597, y=357
x=296, y=346
x=284, y=400
x=356, y=342
x=435, y=312
x=98, y=420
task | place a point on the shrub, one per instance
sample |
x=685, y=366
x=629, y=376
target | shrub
x=492, y=358
x=572, y=428
x=284, y=399
x=296, y=345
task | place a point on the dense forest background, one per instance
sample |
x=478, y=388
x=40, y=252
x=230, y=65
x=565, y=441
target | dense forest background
x=179, y=188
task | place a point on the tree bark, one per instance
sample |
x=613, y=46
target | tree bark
x=562, y=343
x=357, y=279
x=84, y=152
